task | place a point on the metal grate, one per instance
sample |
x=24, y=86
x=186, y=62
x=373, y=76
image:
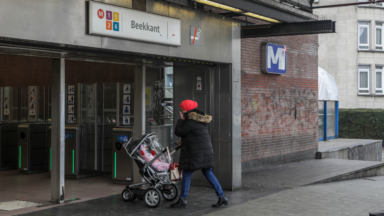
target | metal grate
x=284, y=29
x=17, y=204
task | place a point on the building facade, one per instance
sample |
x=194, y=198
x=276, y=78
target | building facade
x=259, y=119
x=354, y=55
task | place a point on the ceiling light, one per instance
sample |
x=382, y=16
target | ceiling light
x=261, y=17
x=214, y=4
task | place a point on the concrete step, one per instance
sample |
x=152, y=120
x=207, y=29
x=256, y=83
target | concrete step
x=309, y=172
x=371, y=171
x=351, y=149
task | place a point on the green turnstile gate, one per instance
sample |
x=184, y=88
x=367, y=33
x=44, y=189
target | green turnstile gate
x=8, y=146
x=122, y=166
x=33, y=147
x=72, y=151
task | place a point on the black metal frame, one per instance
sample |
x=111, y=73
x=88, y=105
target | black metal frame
x=286, y=29
x=349, y=4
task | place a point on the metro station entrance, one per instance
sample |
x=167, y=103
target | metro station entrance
x=100, y=115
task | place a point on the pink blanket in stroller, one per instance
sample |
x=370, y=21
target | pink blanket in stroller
x=157, y=164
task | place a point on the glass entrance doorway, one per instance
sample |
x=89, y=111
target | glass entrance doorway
x=159, y=102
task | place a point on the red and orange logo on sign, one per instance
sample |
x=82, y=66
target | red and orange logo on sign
x=100, y=13
x=112, y=19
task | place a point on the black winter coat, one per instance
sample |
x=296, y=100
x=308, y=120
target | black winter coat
x=196, y=146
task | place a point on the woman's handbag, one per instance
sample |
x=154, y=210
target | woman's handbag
x=176, y=174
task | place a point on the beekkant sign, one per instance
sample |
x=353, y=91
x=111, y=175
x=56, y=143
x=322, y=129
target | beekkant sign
x=113, y=21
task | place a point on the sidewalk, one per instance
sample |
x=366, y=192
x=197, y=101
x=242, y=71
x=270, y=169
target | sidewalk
x=259, y=185
x=351, y=198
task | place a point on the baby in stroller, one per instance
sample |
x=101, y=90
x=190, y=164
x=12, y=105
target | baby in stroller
x=160, y=164
x=154, y=162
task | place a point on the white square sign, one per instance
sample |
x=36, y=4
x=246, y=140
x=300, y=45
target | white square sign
x=71, y=119
x=126, y=99
x=71, y=89
x=32, y=98
x=126, y=109
x=71, y=99
x=127, y=89
x=6, y=112
x=71, y=108
x=32, y=90
x=126, y=120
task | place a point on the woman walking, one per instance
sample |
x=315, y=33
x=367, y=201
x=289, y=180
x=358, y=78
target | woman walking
x=196, y=150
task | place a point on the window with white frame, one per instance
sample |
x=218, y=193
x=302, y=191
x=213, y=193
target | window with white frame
x=363, y=35
x=379, y=36
x=379, y=80
x=363, y=79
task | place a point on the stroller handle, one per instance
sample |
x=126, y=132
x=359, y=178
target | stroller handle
x=172, y=145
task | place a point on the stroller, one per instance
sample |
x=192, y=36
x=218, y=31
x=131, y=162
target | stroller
x=153, y=161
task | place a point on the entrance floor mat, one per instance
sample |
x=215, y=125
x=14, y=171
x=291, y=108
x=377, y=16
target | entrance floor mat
x=17, y=204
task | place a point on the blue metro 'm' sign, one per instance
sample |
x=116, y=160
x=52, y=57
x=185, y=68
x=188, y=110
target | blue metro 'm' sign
x=273, y=59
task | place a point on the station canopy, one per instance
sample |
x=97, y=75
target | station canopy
x=328, y=90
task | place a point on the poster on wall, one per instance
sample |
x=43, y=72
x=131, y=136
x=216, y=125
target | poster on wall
x=148, y=96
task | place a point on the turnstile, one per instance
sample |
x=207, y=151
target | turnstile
x=122, y=164
x=72, y=151
x=8, y=146
x=33, y=147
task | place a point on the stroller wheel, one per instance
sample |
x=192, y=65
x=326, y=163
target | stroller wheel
x=152, y=197
x=128, y=195
x=170, y=192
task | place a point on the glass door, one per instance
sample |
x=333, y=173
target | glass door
x=107, y=114
x=89, y=121
x=159, y=102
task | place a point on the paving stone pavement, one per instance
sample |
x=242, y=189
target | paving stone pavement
x=259, y=185
x=351, y=198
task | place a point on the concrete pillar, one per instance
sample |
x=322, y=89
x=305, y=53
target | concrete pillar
x=236, y=105
x=139, y=114
x=1, y=103
x=57, y=130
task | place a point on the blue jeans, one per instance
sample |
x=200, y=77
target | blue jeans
x=186, y=182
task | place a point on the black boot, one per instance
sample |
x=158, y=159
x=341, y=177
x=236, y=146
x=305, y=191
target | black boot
x=181, y=203
x=222, y=201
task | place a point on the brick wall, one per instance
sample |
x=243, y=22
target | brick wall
x=279, y=112
x=28, y=71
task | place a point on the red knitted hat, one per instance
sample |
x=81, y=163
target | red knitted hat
x=188, y=105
